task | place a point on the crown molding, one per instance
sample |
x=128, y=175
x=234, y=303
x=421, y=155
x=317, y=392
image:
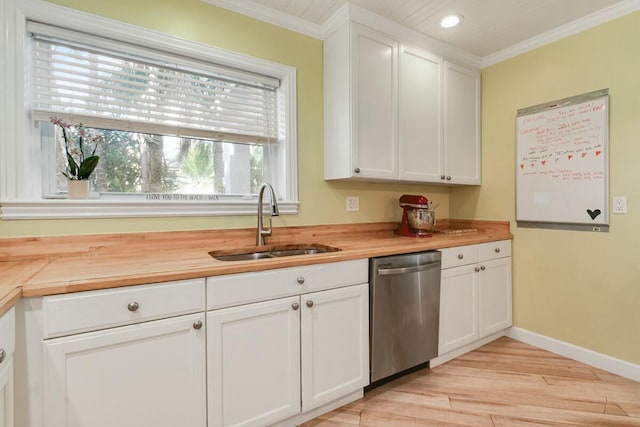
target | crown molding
x=335, y=21
x=352, y=12
x=347, y=12
x=574, y=27
x=271, y=16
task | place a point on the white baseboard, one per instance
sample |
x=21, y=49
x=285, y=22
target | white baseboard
x=326, y=408
x=581, y=354
x=465, y=349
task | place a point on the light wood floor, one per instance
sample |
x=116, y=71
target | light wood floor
x=504, y=383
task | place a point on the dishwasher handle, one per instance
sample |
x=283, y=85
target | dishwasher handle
x=407, y=270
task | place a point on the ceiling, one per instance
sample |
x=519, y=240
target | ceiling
x=488, y=27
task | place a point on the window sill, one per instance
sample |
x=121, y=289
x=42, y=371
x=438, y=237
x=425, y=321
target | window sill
x=96, y=208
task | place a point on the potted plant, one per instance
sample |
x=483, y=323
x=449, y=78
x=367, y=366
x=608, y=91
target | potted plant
x=81, y=160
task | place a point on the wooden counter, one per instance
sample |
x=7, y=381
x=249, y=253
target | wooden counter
x=54, y=265
x=13, y=275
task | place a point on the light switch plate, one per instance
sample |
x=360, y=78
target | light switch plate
x=353, y=203
x=620, y=204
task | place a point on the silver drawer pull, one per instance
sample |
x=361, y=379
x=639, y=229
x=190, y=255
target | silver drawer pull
x=133, y=306
x=295, y=306
x=3, y=354
x=497, y=250
x=300, y=280
x=460, y=256
x=309, y=303
x=197, y=324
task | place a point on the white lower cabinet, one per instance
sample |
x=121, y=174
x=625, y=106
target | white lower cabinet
x=127, y=357
x=150, y=374
x=272, y=360
x=458, y=308
x=335, y=344
x=6, y=393
x=248, y=349
x=254, y=363
x=475, y=293
x=7, y=343
x=494, y=296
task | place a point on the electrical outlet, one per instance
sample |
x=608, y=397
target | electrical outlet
x=620, y=204
x=353, y=203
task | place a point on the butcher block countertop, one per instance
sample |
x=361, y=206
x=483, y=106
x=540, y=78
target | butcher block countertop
x=54, y=265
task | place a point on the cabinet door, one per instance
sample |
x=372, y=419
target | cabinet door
x=461, y=124
x=458, y=308
x=335, y=344
x=419, y=116
x=375, y=91
x=254, y=363
x=6, y=392
x=150, y=374
x=494, y=296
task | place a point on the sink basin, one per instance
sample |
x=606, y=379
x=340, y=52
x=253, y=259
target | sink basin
x=242, y=257
x=274, y=251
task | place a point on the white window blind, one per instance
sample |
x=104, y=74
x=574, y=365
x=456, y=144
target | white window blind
x=113, y=86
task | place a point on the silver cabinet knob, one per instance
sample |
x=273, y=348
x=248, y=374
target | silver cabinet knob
x=357, y=170
x=300, y=280
x=3, y=354
x=460, y=256
x=197, y=324
x=309, y=303
x=449, y=178
x=295, y=306
x=442, y=177
x=483, y=268
x=477, y=269
x=497, y=250
x=133, y=306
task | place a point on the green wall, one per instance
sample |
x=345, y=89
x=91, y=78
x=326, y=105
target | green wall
x=321, y=202
x=579, y=287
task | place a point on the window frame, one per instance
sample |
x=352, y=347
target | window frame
x=22, y=165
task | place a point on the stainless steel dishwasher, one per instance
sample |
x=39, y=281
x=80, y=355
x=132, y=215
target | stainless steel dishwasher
x=404, y=312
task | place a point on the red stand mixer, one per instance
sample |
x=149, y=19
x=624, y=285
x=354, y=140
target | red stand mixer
x=418, y=216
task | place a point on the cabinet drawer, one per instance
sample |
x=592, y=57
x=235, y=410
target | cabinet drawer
x=243, y=288
x=494, y=250
x=7, y=334
x=461, y=255
x=85, y=311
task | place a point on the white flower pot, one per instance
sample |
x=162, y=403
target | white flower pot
x=78, y=189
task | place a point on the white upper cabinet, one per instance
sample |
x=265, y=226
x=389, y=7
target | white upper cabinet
x=361, y=97
x=388, y=116
x=461, y=124
x=375, y=95
x=419, y=112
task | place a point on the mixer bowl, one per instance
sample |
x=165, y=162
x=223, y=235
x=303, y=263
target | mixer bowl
x=421, y=219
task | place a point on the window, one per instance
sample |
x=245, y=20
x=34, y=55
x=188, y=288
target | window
x=181, y=123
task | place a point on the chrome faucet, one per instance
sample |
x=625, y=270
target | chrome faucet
x=273, y=206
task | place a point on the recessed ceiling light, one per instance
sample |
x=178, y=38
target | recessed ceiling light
x=451, y=21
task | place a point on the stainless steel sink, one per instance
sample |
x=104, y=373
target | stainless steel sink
x=275, y=251
x=242, y=257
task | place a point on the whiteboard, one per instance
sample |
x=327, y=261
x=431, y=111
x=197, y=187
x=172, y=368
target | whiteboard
x=561, y=163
